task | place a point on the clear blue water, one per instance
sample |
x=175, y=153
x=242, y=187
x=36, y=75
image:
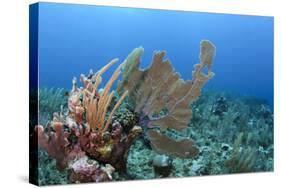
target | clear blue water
x=75, y=38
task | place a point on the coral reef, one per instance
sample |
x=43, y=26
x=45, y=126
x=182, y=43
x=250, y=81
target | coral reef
x=160, y=89
x=221, y=151
x=48, y=173
x=93, y=135
x=86, y=131
x=86, y=170
x=126, y=117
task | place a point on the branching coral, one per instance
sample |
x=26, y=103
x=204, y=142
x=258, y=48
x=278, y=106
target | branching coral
x=94, y=103
x=87, y=132
x=160, y=89
x=57, y=145
x=161, y=100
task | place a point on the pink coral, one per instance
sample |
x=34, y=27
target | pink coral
x=88, y=170
x=57, y=145
x=86, y=131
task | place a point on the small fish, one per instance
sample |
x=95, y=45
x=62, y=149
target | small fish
x=66, y=94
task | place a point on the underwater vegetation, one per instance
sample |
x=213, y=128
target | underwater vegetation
x=140, y=130
x=51, y=100
x=160, y=88
x=238, y=139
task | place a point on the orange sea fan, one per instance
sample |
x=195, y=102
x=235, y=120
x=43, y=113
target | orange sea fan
x=163, y=98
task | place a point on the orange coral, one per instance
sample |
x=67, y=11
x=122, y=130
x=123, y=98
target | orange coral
x=95, y=103
x=161, y=97
x=184, y=148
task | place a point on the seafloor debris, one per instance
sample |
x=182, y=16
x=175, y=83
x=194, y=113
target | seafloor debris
x=163, y=99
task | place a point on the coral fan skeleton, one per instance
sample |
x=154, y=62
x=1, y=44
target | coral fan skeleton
x=86, y=135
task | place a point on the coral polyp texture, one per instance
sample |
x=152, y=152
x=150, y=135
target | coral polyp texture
x=160, y=89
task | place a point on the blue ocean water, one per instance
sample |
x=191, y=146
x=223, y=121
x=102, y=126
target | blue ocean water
x=76, y=38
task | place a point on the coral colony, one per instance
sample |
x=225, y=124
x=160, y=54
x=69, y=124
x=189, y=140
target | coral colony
x=91, y=146
x=160, y=88
x=153, y=125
